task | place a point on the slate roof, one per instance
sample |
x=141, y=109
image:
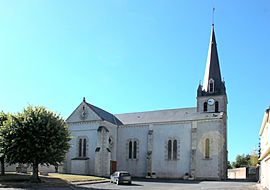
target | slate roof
x=104, y=115
x=212, y=69
x=169, y=115
x=158, y=116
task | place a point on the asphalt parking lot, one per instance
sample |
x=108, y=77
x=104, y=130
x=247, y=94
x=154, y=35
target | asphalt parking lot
x=175, y=185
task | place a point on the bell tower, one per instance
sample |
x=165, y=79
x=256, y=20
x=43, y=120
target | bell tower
x=211, y=96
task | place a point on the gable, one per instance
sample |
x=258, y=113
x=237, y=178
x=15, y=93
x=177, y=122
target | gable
x=89, y=112
x=83, y=113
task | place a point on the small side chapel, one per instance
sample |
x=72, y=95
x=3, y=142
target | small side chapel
x=163, y=143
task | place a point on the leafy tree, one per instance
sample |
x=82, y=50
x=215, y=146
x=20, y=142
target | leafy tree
x=254, y=159
x=3, y=118
x=241, y=161
x=245, y=160
x=229, y=166
x=35, y=136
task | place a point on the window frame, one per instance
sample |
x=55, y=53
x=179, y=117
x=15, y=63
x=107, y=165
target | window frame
x=169, y=149
x=207, y=148
x=205, y=107
x=174, y=154
x=132, y=149
x=216, y=106
x=172, y=149
x=82, y=147
x=211, y=85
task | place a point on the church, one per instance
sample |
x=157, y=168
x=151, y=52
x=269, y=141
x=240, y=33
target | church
x=169, y=143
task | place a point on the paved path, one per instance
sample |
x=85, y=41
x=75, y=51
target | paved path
x=159, y=185
x=176, y=185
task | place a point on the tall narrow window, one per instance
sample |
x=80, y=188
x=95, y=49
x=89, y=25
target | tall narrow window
x=135, y=150
x=216, y=106
x=207, y=149
x=175, y=150
x=130, y=150
x=84, y=147
x=80, y=147
x=205, y=106
x=169, y=149
x=211, y=85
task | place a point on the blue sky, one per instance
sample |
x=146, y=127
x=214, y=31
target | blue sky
x=127, y=56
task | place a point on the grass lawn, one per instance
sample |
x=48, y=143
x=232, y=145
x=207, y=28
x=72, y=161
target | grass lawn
x=52, y=180
x=76, y=178
x=15, y=180
x=13, y=177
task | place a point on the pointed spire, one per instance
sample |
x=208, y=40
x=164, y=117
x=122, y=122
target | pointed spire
x=212, y=70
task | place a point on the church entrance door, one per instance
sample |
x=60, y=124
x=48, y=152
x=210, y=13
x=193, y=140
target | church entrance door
x=113, y=166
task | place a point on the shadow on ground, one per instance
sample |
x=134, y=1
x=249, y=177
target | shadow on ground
x=158, y=180
x=23, y=181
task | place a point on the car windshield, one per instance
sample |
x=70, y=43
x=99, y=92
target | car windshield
x=124, y=174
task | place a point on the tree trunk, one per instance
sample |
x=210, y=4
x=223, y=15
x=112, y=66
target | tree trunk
x=2, y=160
x=35, y=178
x=56, y=168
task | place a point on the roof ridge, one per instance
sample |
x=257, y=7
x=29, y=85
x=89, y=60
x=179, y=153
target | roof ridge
x=189, y=108
x=96, y=109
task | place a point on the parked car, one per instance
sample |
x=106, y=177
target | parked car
x=121, y=177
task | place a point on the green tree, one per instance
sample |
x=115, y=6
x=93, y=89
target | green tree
x=245, y=160
x=241, y=161
x=3, y=118
x=35, y=136
x=229, y=166
x=254, y=159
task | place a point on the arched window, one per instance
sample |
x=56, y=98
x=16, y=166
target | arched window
x=169, y=149
x=133, y=145
x=175, y=150
x=134, y=150
x=130, y=150
x=172, y=149
x=110, y=143
x=82, y=147
x=211, y=85
x=216, y=106
x=207, y=148
x=205, y=106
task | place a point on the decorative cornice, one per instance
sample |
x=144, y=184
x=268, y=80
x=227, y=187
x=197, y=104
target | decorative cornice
x=265, y=154
x=82, y=122
x=264, y=122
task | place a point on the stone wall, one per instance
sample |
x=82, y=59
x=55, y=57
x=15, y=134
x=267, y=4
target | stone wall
x=237, y=173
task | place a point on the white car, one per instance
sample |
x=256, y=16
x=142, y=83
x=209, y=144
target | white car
x=121, y=177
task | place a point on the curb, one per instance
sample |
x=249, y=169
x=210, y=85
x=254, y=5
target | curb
x=89, y=182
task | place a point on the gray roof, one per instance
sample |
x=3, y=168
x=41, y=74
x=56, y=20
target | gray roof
x=169, y=115
x=104, y=115
x=212, y=70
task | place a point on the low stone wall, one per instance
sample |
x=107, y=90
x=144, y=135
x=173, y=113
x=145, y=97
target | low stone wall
x=24, y=168
x=237, y=173
x=249, y=173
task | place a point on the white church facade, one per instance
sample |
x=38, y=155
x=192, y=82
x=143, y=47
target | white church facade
x=165, y=143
